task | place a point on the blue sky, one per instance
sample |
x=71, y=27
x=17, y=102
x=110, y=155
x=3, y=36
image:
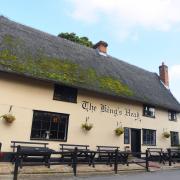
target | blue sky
x=141, y=32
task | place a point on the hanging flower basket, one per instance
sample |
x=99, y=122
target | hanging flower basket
x=166, y=134
x=9, y=118
x=86, y=126
x=119, y=131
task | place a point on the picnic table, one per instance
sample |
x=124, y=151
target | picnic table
x=173, y=155
x=157, y=154
x=69, y=147
x=38, y=151
x=71, y=155
x=16, y=143
x=106, y=153
x=83, y=153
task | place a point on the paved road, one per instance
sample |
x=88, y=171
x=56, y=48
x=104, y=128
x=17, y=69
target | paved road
x=163, y=175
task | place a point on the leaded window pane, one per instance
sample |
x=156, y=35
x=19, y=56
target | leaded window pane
x=64, y=93
x=148, y=111
x=172, y=115
x=49, y=126
x=149, y=137
x=174, y=138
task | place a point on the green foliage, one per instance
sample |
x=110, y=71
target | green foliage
x=166, y=134
x=11, y=41
x=60, y=70
x=119, y=131
x=86, y=126
x=114, y=85
x=9, y=118
x=5, y=54
x=8, y=39
x=73, y=37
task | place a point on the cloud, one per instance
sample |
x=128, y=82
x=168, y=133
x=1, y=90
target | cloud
x=160, y=15
x=174, y=73
x=123, y=18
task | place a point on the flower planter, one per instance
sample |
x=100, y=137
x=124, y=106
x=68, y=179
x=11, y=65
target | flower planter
x=9, y=118
x=166, y=134
x=119, y=131
x=87, y=126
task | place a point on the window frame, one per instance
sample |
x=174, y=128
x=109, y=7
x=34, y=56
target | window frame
x=145, y=141
x=174, y=144
x=44, y=139
x=128, y=140
x=64, y=89
x=170, y=115
x=144, y=111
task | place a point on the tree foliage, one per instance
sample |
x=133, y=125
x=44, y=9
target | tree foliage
x=73, y=37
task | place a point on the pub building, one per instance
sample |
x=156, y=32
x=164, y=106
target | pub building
x=56, y=91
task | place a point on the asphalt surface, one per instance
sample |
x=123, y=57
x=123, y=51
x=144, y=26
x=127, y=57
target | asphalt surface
x=160, y=175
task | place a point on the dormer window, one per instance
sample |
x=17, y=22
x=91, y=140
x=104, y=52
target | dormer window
x=172, y=115
x=149, y=111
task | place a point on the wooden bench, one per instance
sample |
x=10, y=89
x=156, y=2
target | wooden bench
x=41, y=151
x=107, y=148
x=16, y=143
x=157, y=154
x=82, y=152
x=106, y=153
x=173, y=155
x=32, y=155
x=70, y=147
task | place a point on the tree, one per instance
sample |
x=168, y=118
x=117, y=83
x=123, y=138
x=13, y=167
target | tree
x=73, y=37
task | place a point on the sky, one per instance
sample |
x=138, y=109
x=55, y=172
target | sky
x=144, y=33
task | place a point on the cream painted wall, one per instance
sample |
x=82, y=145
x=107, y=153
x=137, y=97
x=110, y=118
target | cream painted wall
x=27, y=95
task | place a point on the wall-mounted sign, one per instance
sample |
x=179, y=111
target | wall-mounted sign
x=103, y=108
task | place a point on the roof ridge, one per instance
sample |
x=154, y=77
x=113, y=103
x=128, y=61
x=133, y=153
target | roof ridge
x=46, y=33
x=74, y=43
x=1, y=16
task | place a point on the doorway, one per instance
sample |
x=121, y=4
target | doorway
x=136, y=140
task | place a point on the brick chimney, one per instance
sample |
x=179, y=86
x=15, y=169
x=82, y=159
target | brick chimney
x=101, y=46
x=163, y=73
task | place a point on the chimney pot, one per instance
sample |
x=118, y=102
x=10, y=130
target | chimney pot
x=101, y=46
x=163, y=73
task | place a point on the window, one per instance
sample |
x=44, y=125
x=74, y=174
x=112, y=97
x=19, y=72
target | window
x=172, y=115
x=148, y=111
x=49, y=126
x=64, y=93
x=149, y=137
x=126, y=135
x=174, y=138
